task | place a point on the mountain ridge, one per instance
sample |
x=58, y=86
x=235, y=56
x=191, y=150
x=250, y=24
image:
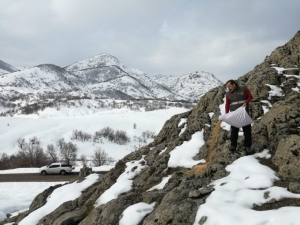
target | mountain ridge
x=101, y=76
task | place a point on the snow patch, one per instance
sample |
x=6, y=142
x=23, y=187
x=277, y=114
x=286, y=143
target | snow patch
x=162, y=184
x=267, y=102
x=275, y=91
x=17, y=196
x=296, y=89
x=182, y=121
x=59, y=196
x=183, y=155
x=183, y=129
x=134, y=214
x=123, y=183
x=265, y=109
x=281, y=69
x=163, y=151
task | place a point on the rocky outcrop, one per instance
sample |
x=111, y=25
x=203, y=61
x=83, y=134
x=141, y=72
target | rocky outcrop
x=276, y=127
x=84, y=171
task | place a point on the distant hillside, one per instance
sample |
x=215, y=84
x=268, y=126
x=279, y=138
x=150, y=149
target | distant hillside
x=102, y=76
x=192, y=86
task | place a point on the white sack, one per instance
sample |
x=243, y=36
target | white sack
x=238, y=118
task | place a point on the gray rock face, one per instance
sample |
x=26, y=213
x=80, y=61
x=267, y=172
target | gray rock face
x=85, y=171
x=294, y=187
x=177, y=203
x=287, y=157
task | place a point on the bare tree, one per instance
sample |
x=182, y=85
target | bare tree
x=68, y=151
x=83, y=159
x=51, y=153
x=121, y=137
x=100, y=157
x=21, y=143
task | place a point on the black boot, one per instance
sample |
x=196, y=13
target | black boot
x=232, y=149
x=249, y=151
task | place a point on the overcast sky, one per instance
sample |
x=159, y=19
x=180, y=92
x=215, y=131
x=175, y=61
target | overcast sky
x=226, y=38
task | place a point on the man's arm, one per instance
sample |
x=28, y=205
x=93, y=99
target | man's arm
x=249, y=97
x=227, y=104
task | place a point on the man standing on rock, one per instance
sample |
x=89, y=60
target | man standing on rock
x=238, y=96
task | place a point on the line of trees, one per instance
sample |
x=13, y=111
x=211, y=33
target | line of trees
x=31, y=154
x=119, y=137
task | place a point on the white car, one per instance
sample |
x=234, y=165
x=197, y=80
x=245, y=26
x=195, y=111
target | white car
x=56, y=168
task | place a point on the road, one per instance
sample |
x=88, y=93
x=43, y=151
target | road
x=36, y=177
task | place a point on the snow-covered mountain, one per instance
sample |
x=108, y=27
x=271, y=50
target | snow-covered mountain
x=6, y=68
x=40, y=79
x=101, y=76
x=106, y=75
x=192, y=86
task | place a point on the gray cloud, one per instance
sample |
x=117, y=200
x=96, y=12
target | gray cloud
x=227, y=38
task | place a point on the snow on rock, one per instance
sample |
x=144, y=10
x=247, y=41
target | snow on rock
x=234, y=196
x=163, y=151
x=162, y=184
x=267, y=102
x=296, y=89
x=123, y=183
x=275, y=91
x=183, y=155
x=16, y=196
x=134, y=214
x=59, y=196
x=183, y=129
x=265, y=109
x=211, y=113
x=296, y=76
x=281, y=69
x=182, y=121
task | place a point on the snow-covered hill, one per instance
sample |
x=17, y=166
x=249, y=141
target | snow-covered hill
x=192, y=86
x=106, y=74
x=40, y=79
x=6, y=68
x=102, y=77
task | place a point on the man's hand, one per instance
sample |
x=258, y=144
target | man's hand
x=244, y=105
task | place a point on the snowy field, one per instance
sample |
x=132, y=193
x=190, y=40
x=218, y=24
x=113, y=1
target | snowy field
x=16, y=196
x=50, y=126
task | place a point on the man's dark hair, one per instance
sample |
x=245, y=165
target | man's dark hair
x=232, y=82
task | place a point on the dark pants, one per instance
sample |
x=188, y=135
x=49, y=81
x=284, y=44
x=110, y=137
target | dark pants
x=247, y=135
